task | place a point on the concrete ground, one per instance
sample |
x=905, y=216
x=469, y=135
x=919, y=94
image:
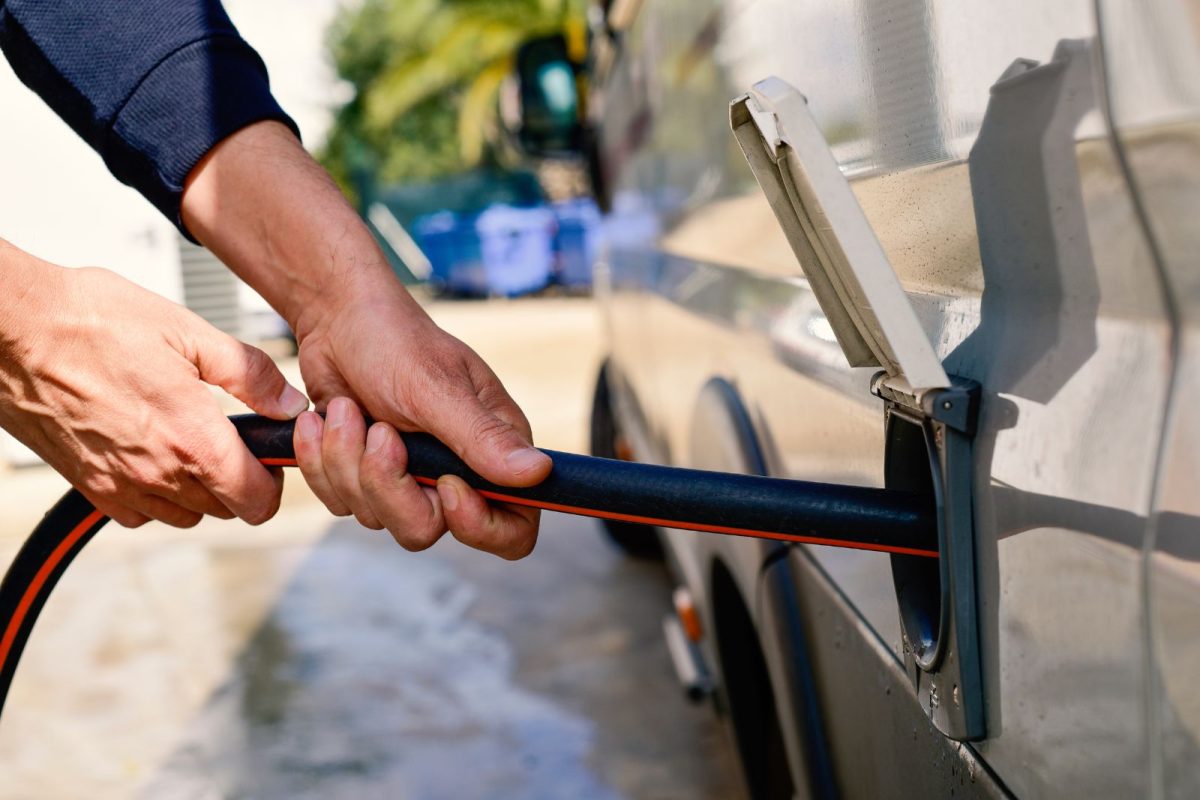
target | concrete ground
x=313, y=658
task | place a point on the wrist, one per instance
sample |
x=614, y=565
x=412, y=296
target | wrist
x=275, y=217
x=26, y=280
x=357, y=279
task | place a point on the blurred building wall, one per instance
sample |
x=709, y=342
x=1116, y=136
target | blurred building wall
x=59, y=202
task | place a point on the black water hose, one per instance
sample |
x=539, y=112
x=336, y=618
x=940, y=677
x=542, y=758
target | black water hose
x=742, y=505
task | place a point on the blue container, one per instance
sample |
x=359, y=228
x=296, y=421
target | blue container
x=577, y=242
x=517, y=248
x=452, y=246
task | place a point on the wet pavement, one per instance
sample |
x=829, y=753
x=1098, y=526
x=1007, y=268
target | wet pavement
x=449, y=674
x=311, y=658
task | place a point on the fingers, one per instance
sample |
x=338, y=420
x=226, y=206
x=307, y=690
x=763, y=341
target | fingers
x=148, y=507
x=168, y=512
x=417, y=516
x=412, y=513
x=329, y=453
x=371, y=480
x=508, y=531
x=236, y=479
x=247, y=373
x=192, y=495
x=123, y=515
x=307, y=443
x=341, y=451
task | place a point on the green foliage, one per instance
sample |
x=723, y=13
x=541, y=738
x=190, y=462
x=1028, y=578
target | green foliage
x=425, y=75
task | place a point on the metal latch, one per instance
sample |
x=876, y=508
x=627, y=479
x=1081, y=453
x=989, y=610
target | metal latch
x=938, y=602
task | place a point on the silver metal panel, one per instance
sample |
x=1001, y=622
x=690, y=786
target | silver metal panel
x=1152, y=60
x=1023, y=254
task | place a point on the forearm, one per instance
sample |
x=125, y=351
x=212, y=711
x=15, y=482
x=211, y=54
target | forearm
x=277, y=219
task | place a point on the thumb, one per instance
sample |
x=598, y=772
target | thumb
x=489, y=443
x=248, y=374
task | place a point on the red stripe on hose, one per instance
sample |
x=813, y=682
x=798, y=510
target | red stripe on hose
x=279, y=462
x=667, y=523
x=39, y=580
x=695, y=526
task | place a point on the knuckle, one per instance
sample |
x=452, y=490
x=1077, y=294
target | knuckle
x=128, y=519
x=372, y=491
x=219, y=511
x=308, y=459
x=371, y=477
x=415, y=540
x=496, y=398
x=368, y=520
x=145, y=477
x=256, y=518
x=346, y=495
x=334, y=505
x=100, y=484
x=519, y=549
x=337, y=445
x=258, y=507
x=260, y=369
x=260, y=511
x=202, y=457
x=440, y=365
x=187, y=520
x=378, y=483
x=440, y=370
x=408, y=541
x=158, y=482
x=489, y=428
x=191, y=446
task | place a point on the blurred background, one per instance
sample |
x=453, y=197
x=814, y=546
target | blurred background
x=310, y=657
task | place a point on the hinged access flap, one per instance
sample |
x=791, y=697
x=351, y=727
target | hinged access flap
x=845, y=265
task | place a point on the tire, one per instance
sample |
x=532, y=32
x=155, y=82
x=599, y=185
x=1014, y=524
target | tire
x=638, y=541
x=746, y=697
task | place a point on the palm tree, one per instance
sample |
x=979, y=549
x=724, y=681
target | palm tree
x=424, y=68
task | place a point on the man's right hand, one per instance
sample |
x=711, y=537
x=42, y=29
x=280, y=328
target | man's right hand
x=265, y=208
x=106, y=382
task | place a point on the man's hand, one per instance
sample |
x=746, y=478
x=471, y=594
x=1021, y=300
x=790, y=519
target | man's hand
x=106, y=382
x=268, y=211
x=383, y=352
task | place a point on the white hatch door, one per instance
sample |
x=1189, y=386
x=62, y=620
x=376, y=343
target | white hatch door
x=845, y=265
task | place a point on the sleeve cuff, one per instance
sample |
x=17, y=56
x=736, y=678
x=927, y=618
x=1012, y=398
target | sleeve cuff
x=193, y=99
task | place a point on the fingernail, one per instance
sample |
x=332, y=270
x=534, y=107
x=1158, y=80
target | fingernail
x=338, y=413
x=376, y=436
x=449, y=495
x=292, y=401
x=525, y=459
x=307, y=427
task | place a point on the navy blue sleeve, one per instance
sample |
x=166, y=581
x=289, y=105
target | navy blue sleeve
x=151, y=85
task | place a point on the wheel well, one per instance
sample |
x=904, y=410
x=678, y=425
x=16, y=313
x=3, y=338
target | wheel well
x=605, y=441
x=746, y=690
